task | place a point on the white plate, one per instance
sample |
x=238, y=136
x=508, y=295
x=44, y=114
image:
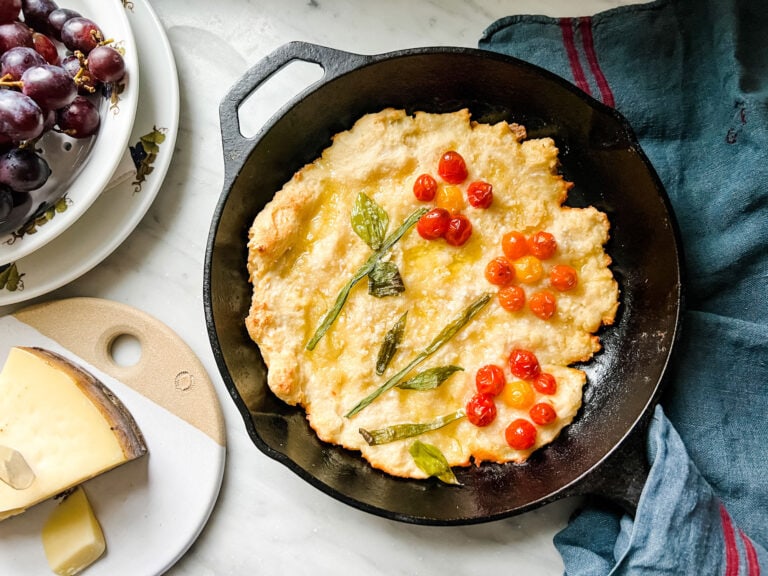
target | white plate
x=153, y=508
x=119, y=209
x=84, y=167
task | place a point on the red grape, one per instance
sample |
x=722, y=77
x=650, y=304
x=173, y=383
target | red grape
x=80, y=119
x=20, y=117
x=81, y=34
x=9, y=10
x=84, y=80
x=106, y=64
x=18, y=60
x=57, y=18
x=50, y=86
x=36, y=13
x=46, y=48
x=14, y=34
x=22, y=170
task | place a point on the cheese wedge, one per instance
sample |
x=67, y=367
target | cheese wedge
x=72, y=536
x=67, y=425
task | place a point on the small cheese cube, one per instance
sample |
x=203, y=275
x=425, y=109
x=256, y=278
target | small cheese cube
x=72, y=536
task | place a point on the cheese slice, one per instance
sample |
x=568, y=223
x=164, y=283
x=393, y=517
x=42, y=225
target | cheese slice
x=72, y=536
x=67, y=425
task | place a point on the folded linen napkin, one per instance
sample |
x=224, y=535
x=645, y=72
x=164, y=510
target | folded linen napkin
x=691, y=76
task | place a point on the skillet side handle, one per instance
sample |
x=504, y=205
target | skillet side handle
x=235, y=145
x=621, y=478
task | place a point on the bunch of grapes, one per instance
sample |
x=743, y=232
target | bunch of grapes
x=52, y=61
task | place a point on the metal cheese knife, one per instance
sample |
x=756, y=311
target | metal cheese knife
x=14, y=470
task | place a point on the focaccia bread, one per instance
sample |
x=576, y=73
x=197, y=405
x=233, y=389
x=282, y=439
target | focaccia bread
x=315, y=235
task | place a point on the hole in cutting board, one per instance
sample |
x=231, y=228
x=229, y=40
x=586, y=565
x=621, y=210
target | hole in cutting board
x=125, y=350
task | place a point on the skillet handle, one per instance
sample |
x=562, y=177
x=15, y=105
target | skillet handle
x=236, y=146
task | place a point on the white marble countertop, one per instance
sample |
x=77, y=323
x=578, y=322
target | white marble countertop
x=268, y=520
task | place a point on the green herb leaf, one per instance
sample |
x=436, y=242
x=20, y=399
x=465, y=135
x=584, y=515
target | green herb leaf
x=385, y=280
x=401, y=431
x=445, y=335
x=330, y=317
x=391, y=341
x=369, y=221
x=432, y=462
x=429, y=379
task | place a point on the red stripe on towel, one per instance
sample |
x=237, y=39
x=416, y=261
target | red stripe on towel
x=731, y=550
x=753, y=564
x=585, y=27
x=573, y=56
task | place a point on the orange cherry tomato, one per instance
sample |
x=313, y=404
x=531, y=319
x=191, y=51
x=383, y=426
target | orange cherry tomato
x=520, y=434
x=451, y=198
x=452, y=167
x=514, y=245
x=542, y=245
x=512, y=298
x=433, y=224
x=545, y=383
x=542, y=413
x=523, y=364
x=528, y=269
x=518, y=394
x=543, y=304
x=499, y=272
x=459, y=230
x=480, y=194
x=481, y=409
x=424, y=188
x=490, y=379
x=563, y=277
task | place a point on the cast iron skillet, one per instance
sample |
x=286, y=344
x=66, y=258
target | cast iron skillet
x=602, y=451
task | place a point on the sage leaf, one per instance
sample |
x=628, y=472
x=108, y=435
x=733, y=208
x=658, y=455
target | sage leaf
x=391, y=342
x=385, y=280
x=429, y=459
x=330, y=316
x=429, y=379
x=401, y=431
x=369, y=221
x=445, y=335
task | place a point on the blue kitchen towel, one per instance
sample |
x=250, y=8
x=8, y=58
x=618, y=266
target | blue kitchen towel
x=691, y=77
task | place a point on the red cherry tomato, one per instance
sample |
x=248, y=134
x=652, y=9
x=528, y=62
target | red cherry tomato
x=480, y=194
x=545, y=383
x=542, y=245
x=520, y=434
x=523, y=364
x=514, y=245
x=563, y=277
x=452, y=167
x=434, y=223
x=512, y=298
x=542, y=413
x=490, y=380
x=424, y=188
x=543, y=304
x=459, y=230
x=499, y=271
x=481, y=409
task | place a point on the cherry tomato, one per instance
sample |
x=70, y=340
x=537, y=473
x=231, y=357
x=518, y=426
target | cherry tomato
x=563, y=277
x=424, y=188
x=528, y=269
x=459, y=230
x=452, y=167
x=545, y=383
x=451, y=198
x=518, y=394
x=480, y=194
x=542, y=413
x=499, y=272
x=543, y=304
x=481, y=409
x=542, y=245
x=433, y=224
x=520, y=434
x=512, y=298
x=514, y=245
x=490, y=379
x=523, y=364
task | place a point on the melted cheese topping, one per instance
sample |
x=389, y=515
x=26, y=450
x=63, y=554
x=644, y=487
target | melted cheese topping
x=302, y=250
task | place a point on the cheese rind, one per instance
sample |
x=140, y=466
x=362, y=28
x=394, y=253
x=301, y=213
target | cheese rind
x=72, y=536
x=66, y=423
